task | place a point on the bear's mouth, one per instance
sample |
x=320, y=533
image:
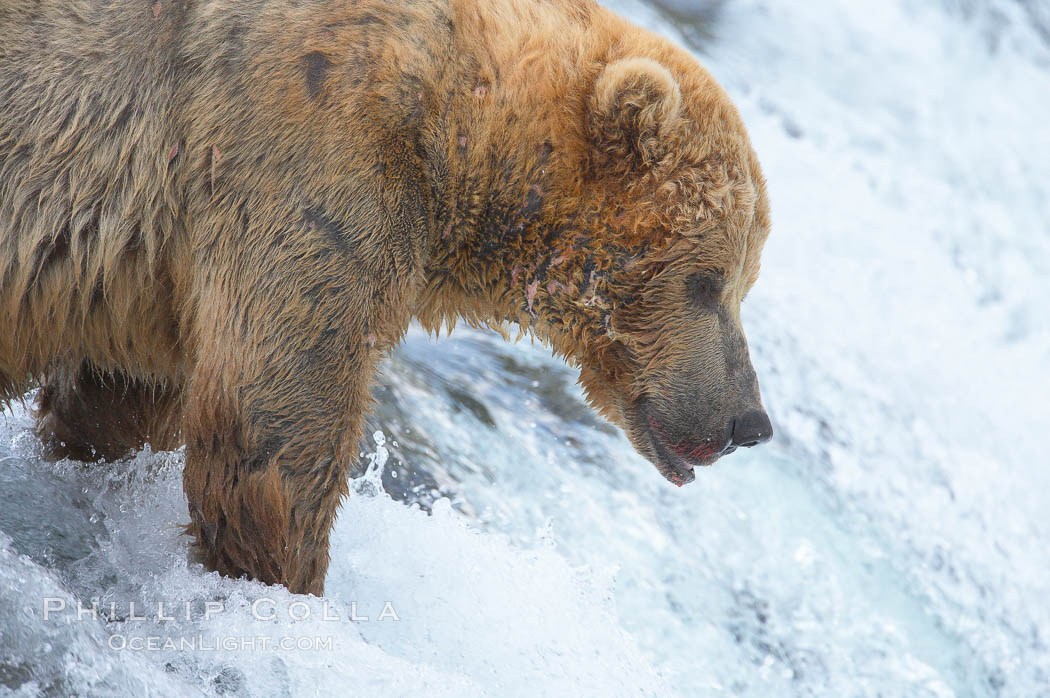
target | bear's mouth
x=676, y=460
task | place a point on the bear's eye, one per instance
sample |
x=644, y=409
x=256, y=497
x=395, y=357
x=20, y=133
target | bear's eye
x=705, y=288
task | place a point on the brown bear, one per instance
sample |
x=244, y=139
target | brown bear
x=216, y=216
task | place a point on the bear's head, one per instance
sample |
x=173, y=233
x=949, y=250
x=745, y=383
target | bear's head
x=679, y=212
x=612, y=205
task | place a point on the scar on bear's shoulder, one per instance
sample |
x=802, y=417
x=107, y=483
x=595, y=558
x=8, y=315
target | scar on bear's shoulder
x=533, y=202
x=317, y=220
x=317, y=67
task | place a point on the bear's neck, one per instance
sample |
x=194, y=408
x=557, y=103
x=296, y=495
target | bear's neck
x=512, y=239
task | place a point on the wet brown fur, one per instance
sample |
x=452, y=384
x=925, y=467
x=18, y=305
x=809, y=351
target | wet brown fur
x=215, y=217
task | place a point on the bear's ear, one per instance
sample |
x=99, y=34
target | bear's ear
x=635, y=105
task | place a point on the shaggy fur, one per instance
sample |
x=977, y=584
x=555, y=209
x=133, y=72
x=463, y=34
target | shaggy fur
x=216, y=216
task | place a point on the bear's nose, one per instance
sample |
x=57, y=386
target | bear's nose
x=751, y=430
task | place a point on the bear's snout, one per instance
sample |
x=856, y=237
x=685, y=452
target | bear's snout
x=750, y=430
x=676, y=443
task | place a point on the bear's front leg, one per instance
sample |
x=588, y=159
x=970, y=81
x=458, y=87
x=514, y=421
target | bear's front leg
x=271, y=433
x=286, y=346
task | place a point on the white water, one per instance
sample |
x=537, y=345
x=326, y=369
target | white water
x=892, y=540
